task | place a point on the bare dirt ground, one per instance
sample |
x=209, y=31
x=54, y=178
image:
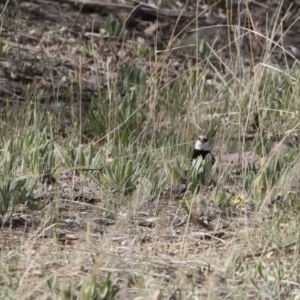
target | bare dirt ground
x=44, y=42
x=55, y=33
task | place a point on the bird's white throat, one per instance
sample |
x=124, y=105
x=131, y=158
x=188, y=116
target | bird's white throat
x=202, y=146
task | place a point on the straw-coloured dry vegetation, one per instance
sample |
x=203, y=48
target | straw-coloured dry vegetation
x=101, y=104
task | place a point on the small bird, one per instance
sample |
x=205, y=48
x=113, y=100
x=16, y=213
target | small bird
x=202, y=149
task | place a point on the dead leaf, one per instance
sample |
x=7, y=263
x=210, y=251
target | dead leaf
x=157, y=295
x=240, y=201
x=151, y=29
x=122, y=54
x=231, y=180
x=257, y=27
x=141, y=41
x=256, y=47
x=295, y=51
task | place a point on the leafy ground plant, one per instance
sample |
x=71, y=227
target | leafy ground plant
x=12, y=193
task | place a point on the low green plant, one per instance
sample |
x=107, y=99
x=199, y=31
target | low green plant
x=88, y=51
x=121, y=176
x=272, y=176
x=251, y=172
x=42, y=158
x=95, y=289
x=4, y=48
x=143, y=51
x=113, y=27
x=202, y=172
x=12, y=193
x=131, y=76
x=222, y=201
x=175, y=172
x=73, y=158
x=157, y=184
x=263, y=145
x=92, y=288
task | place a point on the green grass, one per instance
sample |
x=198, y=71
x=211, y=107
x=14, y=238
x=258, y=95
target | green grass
x=112, y=225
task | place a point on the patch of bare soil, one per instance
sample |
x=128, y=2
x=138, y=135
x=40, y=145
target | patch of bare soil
x=43, y=41
x=159, y=237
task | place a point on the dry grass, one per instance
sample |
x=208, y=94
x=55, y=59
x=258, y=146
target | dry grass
x=100, y=130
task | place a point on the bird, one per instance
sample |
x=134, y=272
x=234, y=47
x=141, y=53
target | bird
x=202, y=148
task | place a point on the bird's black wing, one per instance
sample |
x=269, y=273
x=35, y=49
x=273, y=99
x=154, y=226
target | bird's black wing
x=202, y=153
x=196, y=153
